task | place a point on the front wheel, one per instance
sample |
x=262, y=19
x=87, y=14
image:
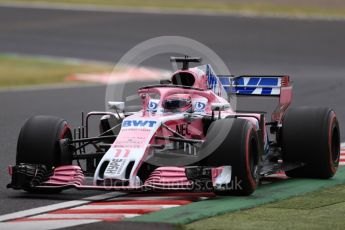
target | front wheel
x=38, y=143
x=235, y=142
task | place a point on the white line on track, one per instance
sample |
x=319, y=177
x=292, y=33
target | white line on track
x=84, y=216
x=120, y=207
x=53, y=207
x=45, y=224
x=152, y=10
x=111, y=208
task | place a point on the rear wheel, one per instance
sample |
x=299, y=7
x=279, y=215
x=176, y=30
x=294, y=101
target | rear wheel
x=235, y=143
x=38, y=143
x=311, y=136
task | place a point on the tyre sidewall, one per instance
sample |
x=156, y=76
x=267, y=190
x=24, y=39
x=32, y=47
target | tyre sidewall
x=38, y=141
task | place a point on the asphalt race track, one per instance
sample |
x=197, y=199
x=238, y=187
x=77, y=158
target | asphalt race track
x=312, y=52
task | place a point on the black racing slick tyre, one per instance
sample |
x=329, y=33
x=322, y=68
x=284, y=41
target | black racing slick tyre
x=237, y=145
x=311, y=136
x=38, y=143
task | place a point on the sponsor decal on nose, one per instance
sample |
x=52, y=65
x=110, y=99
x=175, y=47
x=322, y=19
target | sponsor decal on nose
x=138, y=123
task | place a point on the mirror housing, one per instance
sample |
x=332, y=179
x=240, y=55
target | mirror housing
x=220, y=106
x=116, y=105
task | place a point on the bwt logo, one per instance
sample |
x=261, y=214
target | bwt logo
x=138, y=123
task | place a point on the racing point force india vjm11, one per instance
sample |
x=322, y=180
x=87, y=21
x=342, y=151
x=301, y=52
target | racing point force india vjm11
x=185, y=136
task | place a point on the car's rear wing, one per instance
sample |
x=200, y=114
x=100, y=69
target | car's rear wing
x=256, y=85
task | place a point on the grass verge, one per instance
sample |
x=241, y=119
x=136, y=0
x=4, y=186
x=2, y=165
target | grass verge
x=290, y=7
x=323, y=209
x=265, y=194
x=26, y=70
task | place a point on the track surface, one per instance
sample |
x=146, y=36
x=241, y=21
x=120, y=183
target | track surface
x=310, y=51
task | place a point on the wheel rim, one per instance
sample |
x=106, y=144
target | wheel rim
x=66, y=133
x=253, y=158
x=65, y=159
x=335, y=146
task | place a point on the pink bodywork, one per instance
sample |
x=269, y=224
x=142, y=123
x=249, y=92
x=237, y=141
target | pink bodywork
x=63, y=175
x=200, y=91
x=164, y=177
x=168, y=177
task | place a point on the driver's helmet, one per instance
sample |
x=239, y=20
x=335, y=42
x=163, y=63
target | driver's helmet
x=177, y=103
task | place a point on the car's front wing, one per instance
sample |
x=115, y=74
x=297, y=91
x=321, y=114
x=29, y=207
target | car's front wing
x=28, y=176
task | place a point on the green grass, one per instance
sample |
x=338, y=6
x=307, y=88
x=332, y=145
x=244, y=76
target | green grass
x=258, y=7
x=323, y=209
x=24, y=70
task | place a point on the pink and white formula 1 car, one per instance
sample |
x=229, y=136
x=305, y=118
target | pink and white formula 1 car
x=186, y=137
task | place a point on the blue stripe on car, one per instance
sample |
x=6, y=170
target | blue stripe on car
x=225, y=80
x=239, y=87
x=266, y=91
x=269, y=81
x=253, y=81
